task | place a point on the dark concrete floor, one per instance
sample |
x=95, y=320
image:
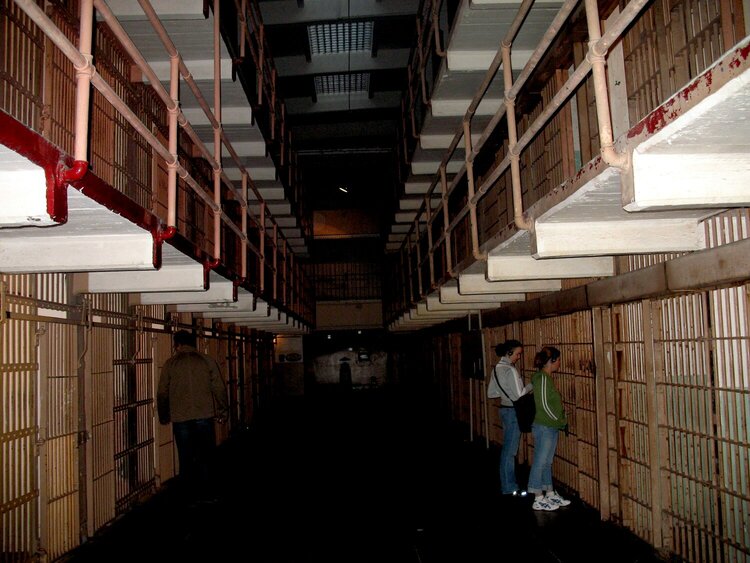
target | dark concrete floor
x=364, y=479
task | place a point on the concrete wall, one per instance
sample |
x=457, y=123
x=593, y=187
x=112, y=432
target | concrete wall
x=349, y=315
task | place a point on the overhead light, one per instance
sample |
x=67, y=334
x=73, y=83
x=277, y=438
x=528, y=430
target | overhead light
x=344, y=189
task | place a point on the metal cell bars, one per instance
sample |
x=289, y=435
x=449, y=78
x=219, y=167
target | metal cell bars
x=705, y=362
x=138, y=176
x=628, y=421
x=673, y=43
x=100, y=424
x=59, y=92
x=599, y=47
x=727, y=227
x=59, y=452
x=52, y=288
x=120, y=157
x=234, y=380
x=347, y=280
x=688, y=427
x=416, y=95
x=643, y=49
x=164, y=447
x=578, y=387
x=730, y=319
x=21, y=67
x=571, y=334
x=460, y=385
x=466, y=175
x=178, y=68
x=253, y=37
x=133, y=418
x=19, y=484
x=699, y=38
x=549, y=159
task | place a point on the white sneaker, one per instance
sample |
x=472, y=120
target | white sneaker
x=544, y=504
x=556, y=499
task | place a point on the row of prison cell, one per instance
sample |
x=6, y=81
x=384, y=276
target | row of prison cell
x=80, y=439
x=38, y=88
x=668, y=44
x=657, y=393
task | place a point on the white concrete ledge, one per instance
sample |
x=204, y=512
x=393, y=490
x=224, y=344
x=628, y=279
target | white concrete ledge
x=508, y=268
x=176, y=278
x=597, y=238
x=68, y=253
x=450, y=295
x=473, y=284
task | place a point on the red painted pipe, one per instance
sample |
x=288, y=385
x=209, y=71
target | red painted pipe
x=211, y=264
x=165, y=233
x=74, y=173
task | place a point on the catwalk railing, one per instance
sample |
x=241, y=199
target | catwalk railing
x=140, y=141
x=530, y=144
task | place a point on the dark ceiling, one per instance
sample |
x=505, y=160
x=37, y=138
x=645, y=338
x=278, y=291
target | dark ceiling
x=342, y=71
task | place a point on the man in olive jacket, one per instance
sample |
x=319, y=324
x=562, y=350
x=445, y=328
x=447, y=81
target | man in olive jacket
x=191, y=394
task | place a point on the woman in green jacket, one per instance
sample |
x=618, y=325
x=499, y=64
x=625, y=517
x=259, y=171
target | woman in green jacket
x=549, y=420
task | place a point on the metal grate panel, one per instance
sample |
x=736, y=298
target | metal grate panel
x=342, y=83
x=327, y=38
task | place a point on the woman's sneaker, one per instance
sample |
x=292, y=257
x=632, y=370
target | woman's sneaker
x=556, y=499
x=544, y=503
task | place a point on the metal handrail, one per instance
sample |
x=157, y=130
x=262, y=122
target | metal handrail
x=86, y=75
x=598, y=48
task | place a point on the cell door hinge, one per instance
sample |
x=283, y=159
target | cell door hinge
x=83, y=437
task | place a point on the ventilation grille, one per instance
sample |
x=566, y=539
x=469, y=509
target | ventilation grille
x=342, y=83
x=344, y=37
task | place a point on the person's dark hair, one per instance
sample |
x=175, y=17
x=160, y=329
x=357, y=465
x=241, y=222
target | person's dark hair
x=184, y=338
x=546, y=354
x=507, y=347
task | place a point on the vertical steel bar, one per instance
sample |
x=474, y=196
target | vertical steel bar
x=409, y=270
x=262, y=257
x=439, y=51
x=243, y=259
x=261, y=61
x=597, y=57
x=430, y=247
x=652, y=412
x=243, y=28
x=174, y=111
x=601, y=358
x=446, y=220
x=217, y=128
x=419, y=258
x=275, y=260
x=473, y=219
x=83, y=81
x=514, y=154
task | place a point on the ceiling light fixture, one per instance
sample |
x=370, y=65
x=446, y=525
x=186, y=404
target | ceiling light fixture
x=344, y=189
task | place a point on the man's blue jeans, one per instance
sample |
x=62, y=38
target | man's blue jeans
x=545, y=443
x=511, y=438
x=195, y=441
